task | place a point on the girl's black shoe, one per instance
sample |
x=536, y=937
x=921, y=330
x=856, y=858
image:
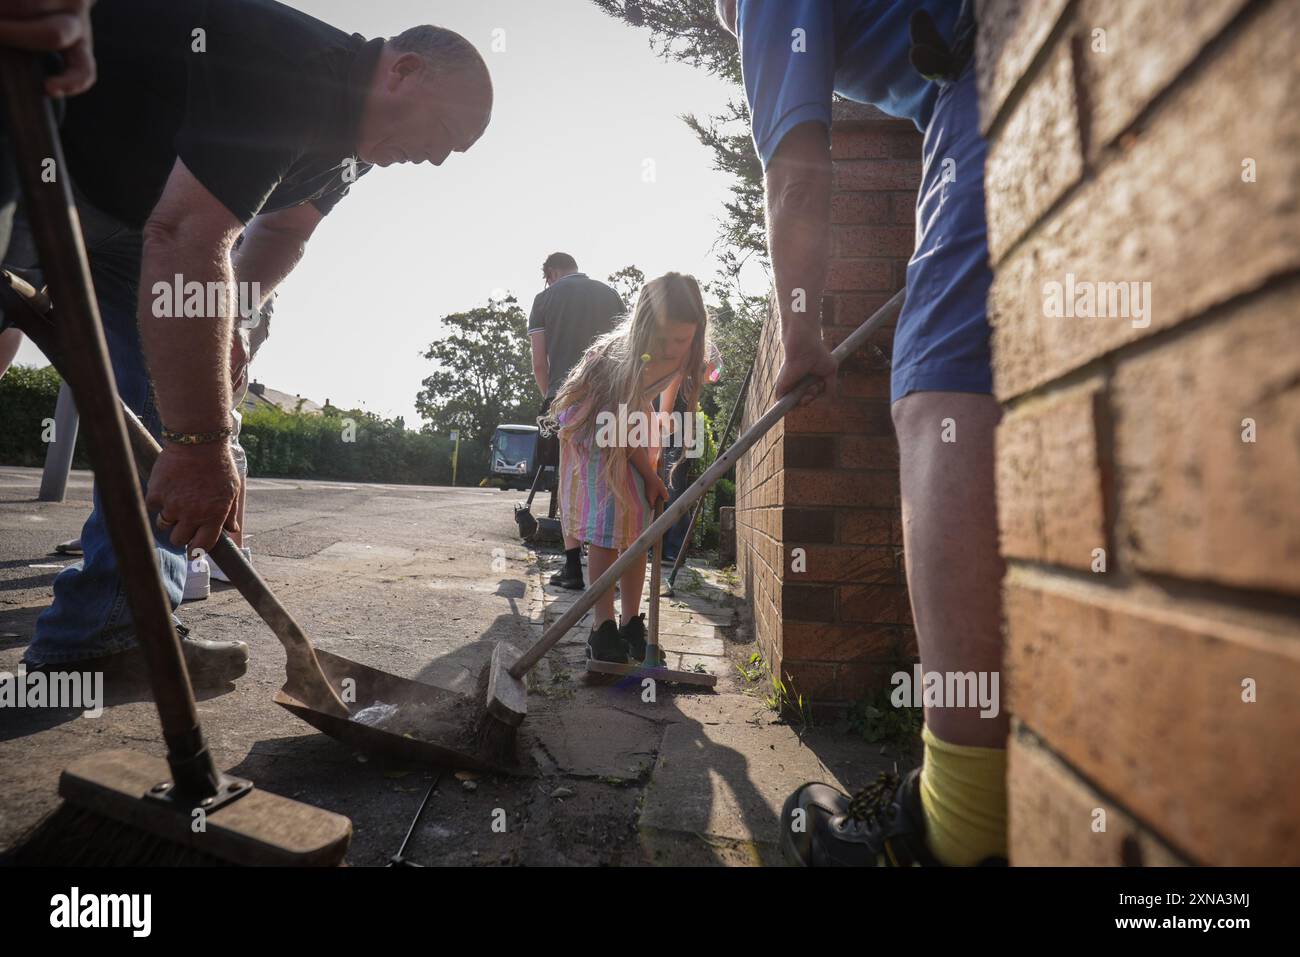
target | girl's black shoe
x=633, y=635
x=605, y=644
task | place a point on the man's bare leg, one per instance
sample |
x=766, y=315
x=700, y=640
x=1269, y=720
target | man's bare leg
x=572, y=546
x=954, y=576
x=950, y=546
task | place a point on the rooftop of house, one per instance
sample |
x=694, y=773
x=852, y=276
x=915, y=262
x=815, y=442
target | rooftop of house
x=260, y=395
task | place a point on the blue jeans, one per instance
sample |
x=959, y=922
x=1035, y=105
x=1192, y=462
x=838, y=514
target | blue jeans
x=89, y=616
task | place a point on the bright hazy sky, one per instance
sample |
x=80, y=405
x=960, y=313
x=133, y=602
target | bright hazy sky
x=581, y=103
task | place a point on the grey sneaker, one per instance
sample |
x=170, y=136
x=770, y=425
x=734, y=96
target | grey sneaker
x=210, y=662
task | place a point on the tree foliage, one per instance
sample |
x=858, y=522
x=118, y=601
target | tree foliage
x=688, y=31
x=484, y=374
x=352, y=446
x=27, y=399
x=627, y=282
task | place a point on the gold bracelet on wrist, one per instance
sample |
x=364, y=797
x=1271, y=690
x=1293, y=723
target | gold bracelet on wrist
x=195, y=438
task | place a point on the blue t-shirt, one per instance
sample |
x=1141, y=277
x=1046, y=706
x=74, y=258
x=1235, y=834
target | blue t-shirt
x=856, y=48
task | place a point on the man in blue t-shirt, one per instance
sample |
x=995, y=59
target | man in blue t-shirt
x=910, y=59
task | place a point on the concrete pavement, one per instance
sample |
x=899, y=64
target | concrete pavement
x=422, y=582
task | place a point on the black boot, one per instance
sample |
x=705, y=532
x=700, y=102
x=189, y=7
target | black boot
x=605, y=644
x=570, y=576
x=880, y=826
x=883, y=825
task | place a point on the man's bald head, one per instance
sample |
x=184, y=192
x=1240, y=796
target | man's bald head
x=431, y=95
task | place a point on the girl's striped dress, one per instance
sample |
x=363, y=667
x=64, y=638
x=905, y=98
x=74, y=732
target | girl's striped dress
x=588, y=509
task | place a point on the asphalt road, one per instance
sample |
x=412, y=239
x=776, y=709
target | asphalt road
x=422, y=583
x=419, y=581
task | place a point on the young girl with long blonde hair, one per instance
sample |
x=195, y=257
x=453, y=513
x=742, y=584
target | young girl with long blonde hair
x=609, y=479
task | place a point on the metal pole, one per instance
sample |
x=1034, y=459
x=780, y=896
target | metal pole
x=58, y=457
x=722, y=444
x=53, y=216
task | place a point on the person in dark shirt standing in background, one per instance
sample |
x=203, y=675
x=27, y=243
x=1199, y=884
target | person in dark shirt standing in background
x=567, y=317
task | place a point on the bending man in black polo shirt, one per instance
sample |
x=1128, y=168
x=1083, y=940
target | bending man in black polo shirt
x=208, y=120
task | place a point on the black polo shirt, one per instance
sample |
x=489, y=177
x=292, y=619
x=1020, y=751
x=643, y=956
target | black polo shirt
x=263, y=106
x=573, y=312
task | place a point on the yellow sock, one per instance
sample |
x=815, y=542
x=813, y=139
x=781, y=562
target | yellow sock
x=964, y=796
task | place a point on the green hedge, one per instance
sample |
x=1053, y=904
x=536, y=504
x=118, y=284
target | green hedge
x=353, y=447
x=346, y=446
x=27, y=399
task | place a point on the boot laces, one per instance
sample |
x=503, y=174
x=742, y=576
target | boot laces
x=870, y=804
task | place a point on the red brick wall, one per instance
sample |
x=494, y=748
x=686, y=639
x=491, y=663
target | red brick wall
x=820, y=493
x=1121, y=137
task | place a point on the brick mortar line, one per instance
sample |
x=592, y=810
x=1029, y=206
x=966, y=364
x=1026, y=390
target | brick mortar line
x=1142, y=597
x=1162, y=338
x=1064, y=24
x=1023, y=731
x=1110, y=153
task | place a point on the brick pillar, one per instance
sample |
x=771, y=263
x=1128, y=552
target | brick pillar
x=1148, y=461
x=818, y=530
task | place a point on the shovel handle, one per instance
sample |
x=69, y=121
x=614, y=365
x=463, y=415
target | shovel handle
x=656, y=557
x=695, y=512
x=304, y=678
x=636, y=551
x=53, y=217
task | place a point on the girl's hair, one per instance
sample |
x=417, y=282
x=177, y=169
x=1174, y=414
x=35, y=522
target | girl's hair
x=609, y=374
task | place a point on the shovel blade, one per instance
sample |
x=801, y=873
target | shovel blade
x=441, y=735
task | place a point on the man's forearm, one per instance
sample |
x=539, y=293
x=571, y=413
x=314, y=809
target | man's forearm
x=187, y=354
x=541, y=365
x=798, y=220
x=265, y=259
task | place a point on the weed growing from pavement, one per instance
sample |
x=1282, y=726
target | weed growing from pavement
x=786, y=701
x=558, y=687
x=878, y=721
x=753, y=669
x=781, y=697
x=691, y=583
